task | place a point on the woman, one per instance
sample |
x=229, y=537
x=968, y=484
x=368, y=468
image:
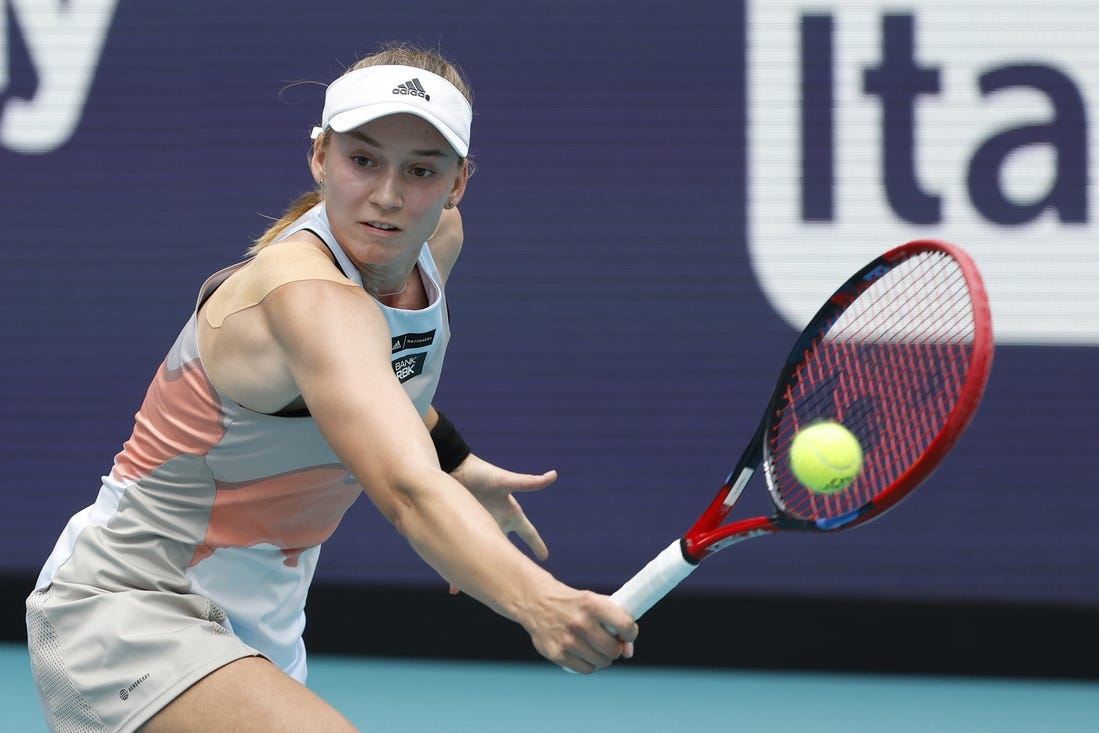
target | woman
x=176, y=601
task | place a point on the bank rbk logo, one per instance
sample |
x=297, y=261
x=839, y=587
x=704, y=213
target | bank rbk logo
x=64, y=39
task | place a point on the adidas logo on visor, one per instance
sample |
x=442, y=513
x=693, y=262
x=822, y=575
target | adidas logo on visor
x=413, y=89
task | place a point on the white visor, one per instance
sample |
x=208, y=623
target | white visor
x=364, y=95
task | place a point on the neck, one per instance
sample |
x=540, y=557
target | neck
x=388, y=279
x=380, y=285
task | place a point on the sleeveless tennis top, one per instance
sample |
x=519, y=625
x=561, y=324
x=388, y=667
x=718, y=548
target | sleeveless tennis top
x=211, y=498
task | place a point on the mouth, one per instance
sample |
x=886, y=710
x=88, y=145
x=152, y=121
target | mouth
x=381, y=226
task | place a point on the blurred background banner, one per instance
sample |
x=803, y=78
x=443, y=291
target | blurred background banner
x=662, y=190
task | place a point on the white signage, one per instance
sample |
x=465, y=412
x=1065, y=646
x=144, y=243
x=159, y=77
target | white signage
x=872, y=124
x=64, y=39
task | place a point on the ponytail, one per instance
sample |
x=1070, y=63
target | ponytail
x=297, y=208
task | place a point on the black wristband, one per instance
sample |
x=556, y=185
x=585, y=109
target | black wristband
x=450, y=446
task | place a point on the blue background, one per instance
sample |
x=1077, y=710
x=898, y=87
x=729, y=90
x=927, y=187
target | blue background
x=606, y=319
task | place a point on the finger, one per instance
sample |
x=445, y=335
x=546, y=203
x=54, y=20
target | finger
x=603, y=652
x=607, y=649
x=528, y=481
x=585, y=659
x=529, y=534
x=621, y=625
x=577, y=665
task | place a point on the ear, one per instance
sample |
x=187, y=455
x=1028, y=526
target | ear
x=317, y=158
x=459, y=188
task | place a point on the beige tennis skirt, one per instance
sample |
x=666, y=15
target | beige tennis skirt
x=107, y=662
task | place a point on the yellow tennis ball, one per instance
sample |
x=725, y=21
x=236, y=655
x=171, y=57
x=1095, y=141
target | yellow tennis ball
x=825, y=457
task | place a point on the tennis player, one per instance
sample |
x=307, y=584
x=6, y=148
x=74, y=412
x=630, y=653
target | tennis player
x=175, y=602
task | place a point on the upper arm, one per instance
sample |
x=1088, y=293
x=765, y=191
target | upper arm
x=446, y=242
x=239, y=352
x=335, y=343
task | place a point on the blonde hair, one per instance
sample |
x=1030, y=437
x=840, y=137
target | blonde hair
x=390, y=54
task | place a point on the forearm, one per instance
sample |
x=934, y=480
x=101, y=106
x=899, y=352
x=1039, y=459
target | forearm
x=454, y=534
x=396, y=463
x=379, y=436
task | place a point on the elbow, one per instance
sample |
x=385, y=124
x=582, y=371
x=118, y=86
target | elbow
x=403, y=505
x=402, y=516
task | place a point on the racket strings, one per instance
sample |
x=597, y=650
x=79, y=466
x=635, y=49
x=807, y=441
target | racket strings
x=930, y=296
x=890, y=368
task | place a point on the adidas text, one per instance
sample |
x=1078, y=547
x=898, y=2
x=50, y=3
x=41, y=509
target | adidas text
x=412, y=89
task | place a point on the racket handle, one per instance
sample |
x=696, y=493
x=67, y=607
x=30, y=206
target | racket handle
x=654, y=581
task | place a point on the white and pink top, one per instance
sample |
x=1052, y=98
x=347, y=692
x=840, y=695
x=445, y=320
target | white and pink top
x=211, y=498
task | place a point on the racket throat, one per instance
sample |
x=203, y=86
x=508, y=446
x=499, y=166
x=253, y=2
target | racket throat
x=737, y=488
x=699, y=546
x=726, y=499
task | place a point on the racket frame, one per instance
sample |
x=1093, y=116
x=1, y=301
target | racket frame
x=709, y=533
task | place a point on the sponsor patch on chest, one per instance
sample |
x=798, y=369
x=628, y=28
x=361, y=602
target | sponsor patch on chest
x=409, y=366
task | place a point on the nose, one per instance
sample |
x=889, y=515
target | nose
x=388, y=194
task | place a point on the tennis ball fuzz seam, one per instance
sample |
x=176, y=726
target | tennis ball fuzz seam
x=825, y=457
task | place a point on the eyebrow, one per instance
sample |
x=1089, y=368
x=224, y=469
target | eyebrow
x=430, y=152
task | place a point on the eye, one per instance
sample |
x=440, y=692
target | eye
x=362, y=161
x=421, y=172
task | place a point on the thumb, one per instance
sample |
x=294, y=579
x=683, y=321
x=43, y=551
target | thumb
x=528, y=481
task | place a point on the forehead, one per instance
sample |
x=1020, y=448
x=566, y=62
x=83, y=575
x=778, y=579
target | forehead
x=400, y=131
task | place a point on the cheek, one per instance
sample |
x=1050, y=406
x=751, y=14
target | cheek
x=343, y=191
x=342, y=210
x=437, y=192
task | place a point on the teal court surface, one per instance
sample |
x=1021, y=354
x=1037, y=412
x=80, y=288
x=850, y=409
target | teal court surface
x=424, y=696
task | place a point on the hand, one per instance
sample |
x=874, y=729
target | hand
x=580, y=631
x=493, y=487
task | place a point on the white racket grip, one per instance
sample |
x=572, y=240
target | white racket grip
x=654, y=581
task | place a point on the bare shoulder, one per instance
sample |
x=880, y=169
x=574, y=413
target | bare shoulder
x=287, y=299
x=274, y=266
x=299, y=259
x=446, y=243
x=308, y=304
x=311, y=309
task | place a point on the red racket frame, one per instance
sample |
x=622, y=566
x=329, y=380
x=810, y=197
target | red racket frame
x=710, y=533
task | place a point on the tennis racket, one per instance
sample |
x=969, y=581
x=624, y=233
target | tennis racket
x=900, y=356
